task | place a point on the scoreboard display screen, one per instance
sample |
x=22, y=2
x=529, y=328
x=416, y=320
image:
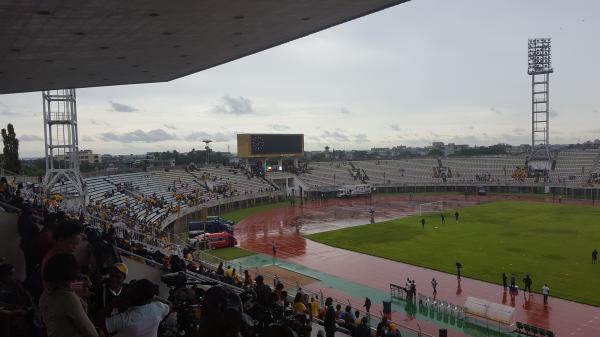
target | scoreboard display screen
x=265, y=145
x=275, y=144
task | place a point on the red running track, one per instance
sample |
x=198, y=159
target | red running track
x=286, y=226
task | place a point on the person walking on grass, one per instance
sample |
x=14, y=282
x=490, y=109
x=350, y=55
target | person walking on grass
x=423, y=223
x=443, y=217
x=434, y=286
x=545, y=292
x=504, y=279
x=594, y=256
x=527, y=282
x=456, y=215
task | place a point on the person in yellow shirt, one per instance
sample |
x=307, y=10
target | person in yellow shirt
x=299, y=306
x=314, y=306
x=236, y=277
x=229, y=272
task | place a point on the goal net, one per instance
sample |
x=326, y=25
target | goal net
x=430, y=207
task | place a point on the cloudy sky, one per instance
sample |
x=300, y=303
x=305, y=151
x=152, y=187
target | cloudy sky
x=453, y=71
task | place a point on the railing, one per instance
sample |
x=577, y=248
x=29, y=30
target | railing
x=212, y=262
x=151, y=242
x=216, y=202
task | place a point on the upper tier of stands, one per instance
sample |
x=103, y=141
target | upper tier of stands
x=573, y=168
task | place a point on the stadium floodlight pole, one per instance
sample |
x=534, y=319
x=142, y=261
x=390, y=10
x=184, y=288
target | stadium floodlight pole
x=61, y=143
x=540, y=68
x=207, y=148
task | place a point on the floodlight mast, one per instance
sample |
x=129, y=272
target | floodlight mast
x=207, y=148
x=61, y=142
x=540, y=68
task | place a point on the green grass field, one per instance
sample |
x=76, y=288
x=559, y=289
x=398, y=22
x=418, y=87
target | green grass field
x=230, y=253
x=553, y=243
x=243, y=213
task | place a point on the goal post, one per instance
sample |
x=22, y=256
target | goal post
x=430, y=207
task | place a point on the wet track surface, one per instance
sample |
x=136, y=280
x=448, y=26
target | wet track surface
x=286, y=227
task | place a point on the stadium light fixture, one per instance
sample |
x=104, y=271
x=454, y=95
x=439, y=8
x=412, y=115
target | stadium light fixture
x=540, y=67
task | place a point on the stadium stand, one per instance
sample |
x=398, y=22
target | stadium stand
x=573, y=168
x=191, y=283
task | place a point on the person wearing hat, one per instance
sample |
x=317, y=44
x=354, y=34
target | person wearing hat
x=393, y=331
x=109, y=296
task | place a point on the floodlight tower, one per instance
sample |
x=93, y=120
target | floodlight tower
x=207, y=148
x=540, y=68
x=62, y=144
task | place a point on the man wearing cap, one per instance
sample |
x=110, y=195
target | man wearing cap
x=393, y=331
x=110, y=294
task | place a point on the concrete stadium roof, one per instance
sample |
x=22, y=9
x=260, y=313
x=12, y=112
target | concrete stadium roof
x=55, y=44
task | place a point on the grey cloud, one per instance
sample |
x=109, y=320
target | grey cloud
x=120, y=107
x=521, y=131
x=345, y=111
x=234, y=106
x=172, y=127
x=313, y=138
x=279, y=127
x=395, y=127
x=30, y=138
x=495, y=110
x=553, y=113
x=217, y=136
x=95, y=122
x=88, y=139
x=361, y=138
x=334, y=136
x=152, y=136
x=7, y=113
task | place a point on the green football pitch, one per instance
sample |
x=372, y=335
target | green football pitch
x=553, y=243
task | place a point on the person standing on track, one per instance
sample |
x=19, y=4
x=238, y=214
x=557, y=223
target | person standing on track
x=434, y=286
x=527, y=281
x=504, y=279
x=458, y=269
x=545, y=292
x=513, y=282
x=367, y=304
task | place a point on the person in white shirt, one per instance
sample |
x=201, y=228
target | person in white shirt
x=545, y=292
x=144, y=315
